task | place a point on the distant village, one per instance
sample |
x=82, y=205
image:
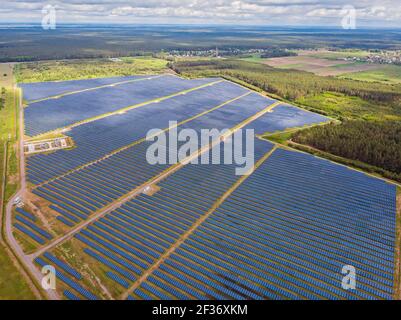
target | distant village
x=382, y=57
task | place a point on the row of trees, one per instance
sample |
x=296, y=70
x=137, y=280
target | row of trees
x=374, y=143
x=2, y=98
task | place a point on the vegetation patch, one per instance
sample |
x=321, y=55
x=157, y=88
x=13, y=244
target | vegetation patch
x=390, y=74
x=87, y=69
x=12, y=284
x=343, y=106
x=377, y=144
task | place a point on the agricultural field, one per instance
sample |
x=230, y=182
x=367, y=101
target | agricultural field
x=118, y=227
x=343, y=64
x=390, y=74
x=320, y=66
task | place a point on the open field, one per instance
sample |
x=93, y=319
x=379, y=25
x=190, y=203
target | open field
x=343, y=64
x=344, y=106
x=333, y=55
x=6, y=75
x=12, y=284
x=390, y=74
x=320, y=66
x=319, y=62
x=190, y=238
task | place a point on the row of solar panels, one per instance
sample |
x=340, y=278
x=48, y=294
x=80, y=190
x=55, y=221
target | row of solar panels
x=26, y=224
x=241, y=251
x=47, y=115
x=117, y=131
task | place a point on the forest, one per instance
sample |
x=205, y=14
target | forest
x=375, y=143
x=78, y=41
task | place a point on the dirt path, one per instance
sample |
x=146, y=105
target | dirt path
x=12, y=247
x=2, y=190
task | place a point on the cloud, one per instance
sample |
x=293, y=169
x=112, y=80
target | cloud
x=288, y=12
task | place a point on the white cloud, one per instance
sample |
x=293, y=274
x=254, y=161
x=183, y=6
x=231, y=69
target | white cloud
x=321, y=12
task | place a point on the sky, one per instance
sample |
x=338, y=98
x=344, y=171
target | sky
x=369, y=13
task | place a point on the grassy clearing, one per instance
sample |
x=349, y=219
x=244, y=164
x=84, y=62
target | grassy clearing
x=345, y=106
x=6, y=75
x=390, y=74
x=12, y=284
x=336, y=55
x=281, y=137
x=254, y=58
x=87, y=69
x=8, y=135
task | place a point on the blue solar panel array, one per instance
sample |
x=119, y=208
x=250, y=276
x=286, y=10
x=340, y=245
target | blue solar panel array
x=284, y=117
x=129, y=239
x=70, y=296
x=287, y=232
x=26, y=214
x=26, y=225
x=42, y=90
x=67, y=281
x=118, y=131
x=29, y=233
x=48, y=115
x=63, y=265
x=95, y=186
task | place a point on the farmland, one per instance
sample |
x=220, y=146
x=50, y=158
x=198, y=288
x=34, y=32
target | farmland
x=386, y=74
x=118, y=227
x=322, y=62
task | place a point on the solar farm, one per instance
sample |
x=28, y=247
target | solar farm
x=115, y=226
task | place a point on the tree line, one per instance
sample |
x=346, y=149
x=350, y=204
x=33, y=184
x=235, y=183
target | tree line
x=375, y=143
x=2, y=98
